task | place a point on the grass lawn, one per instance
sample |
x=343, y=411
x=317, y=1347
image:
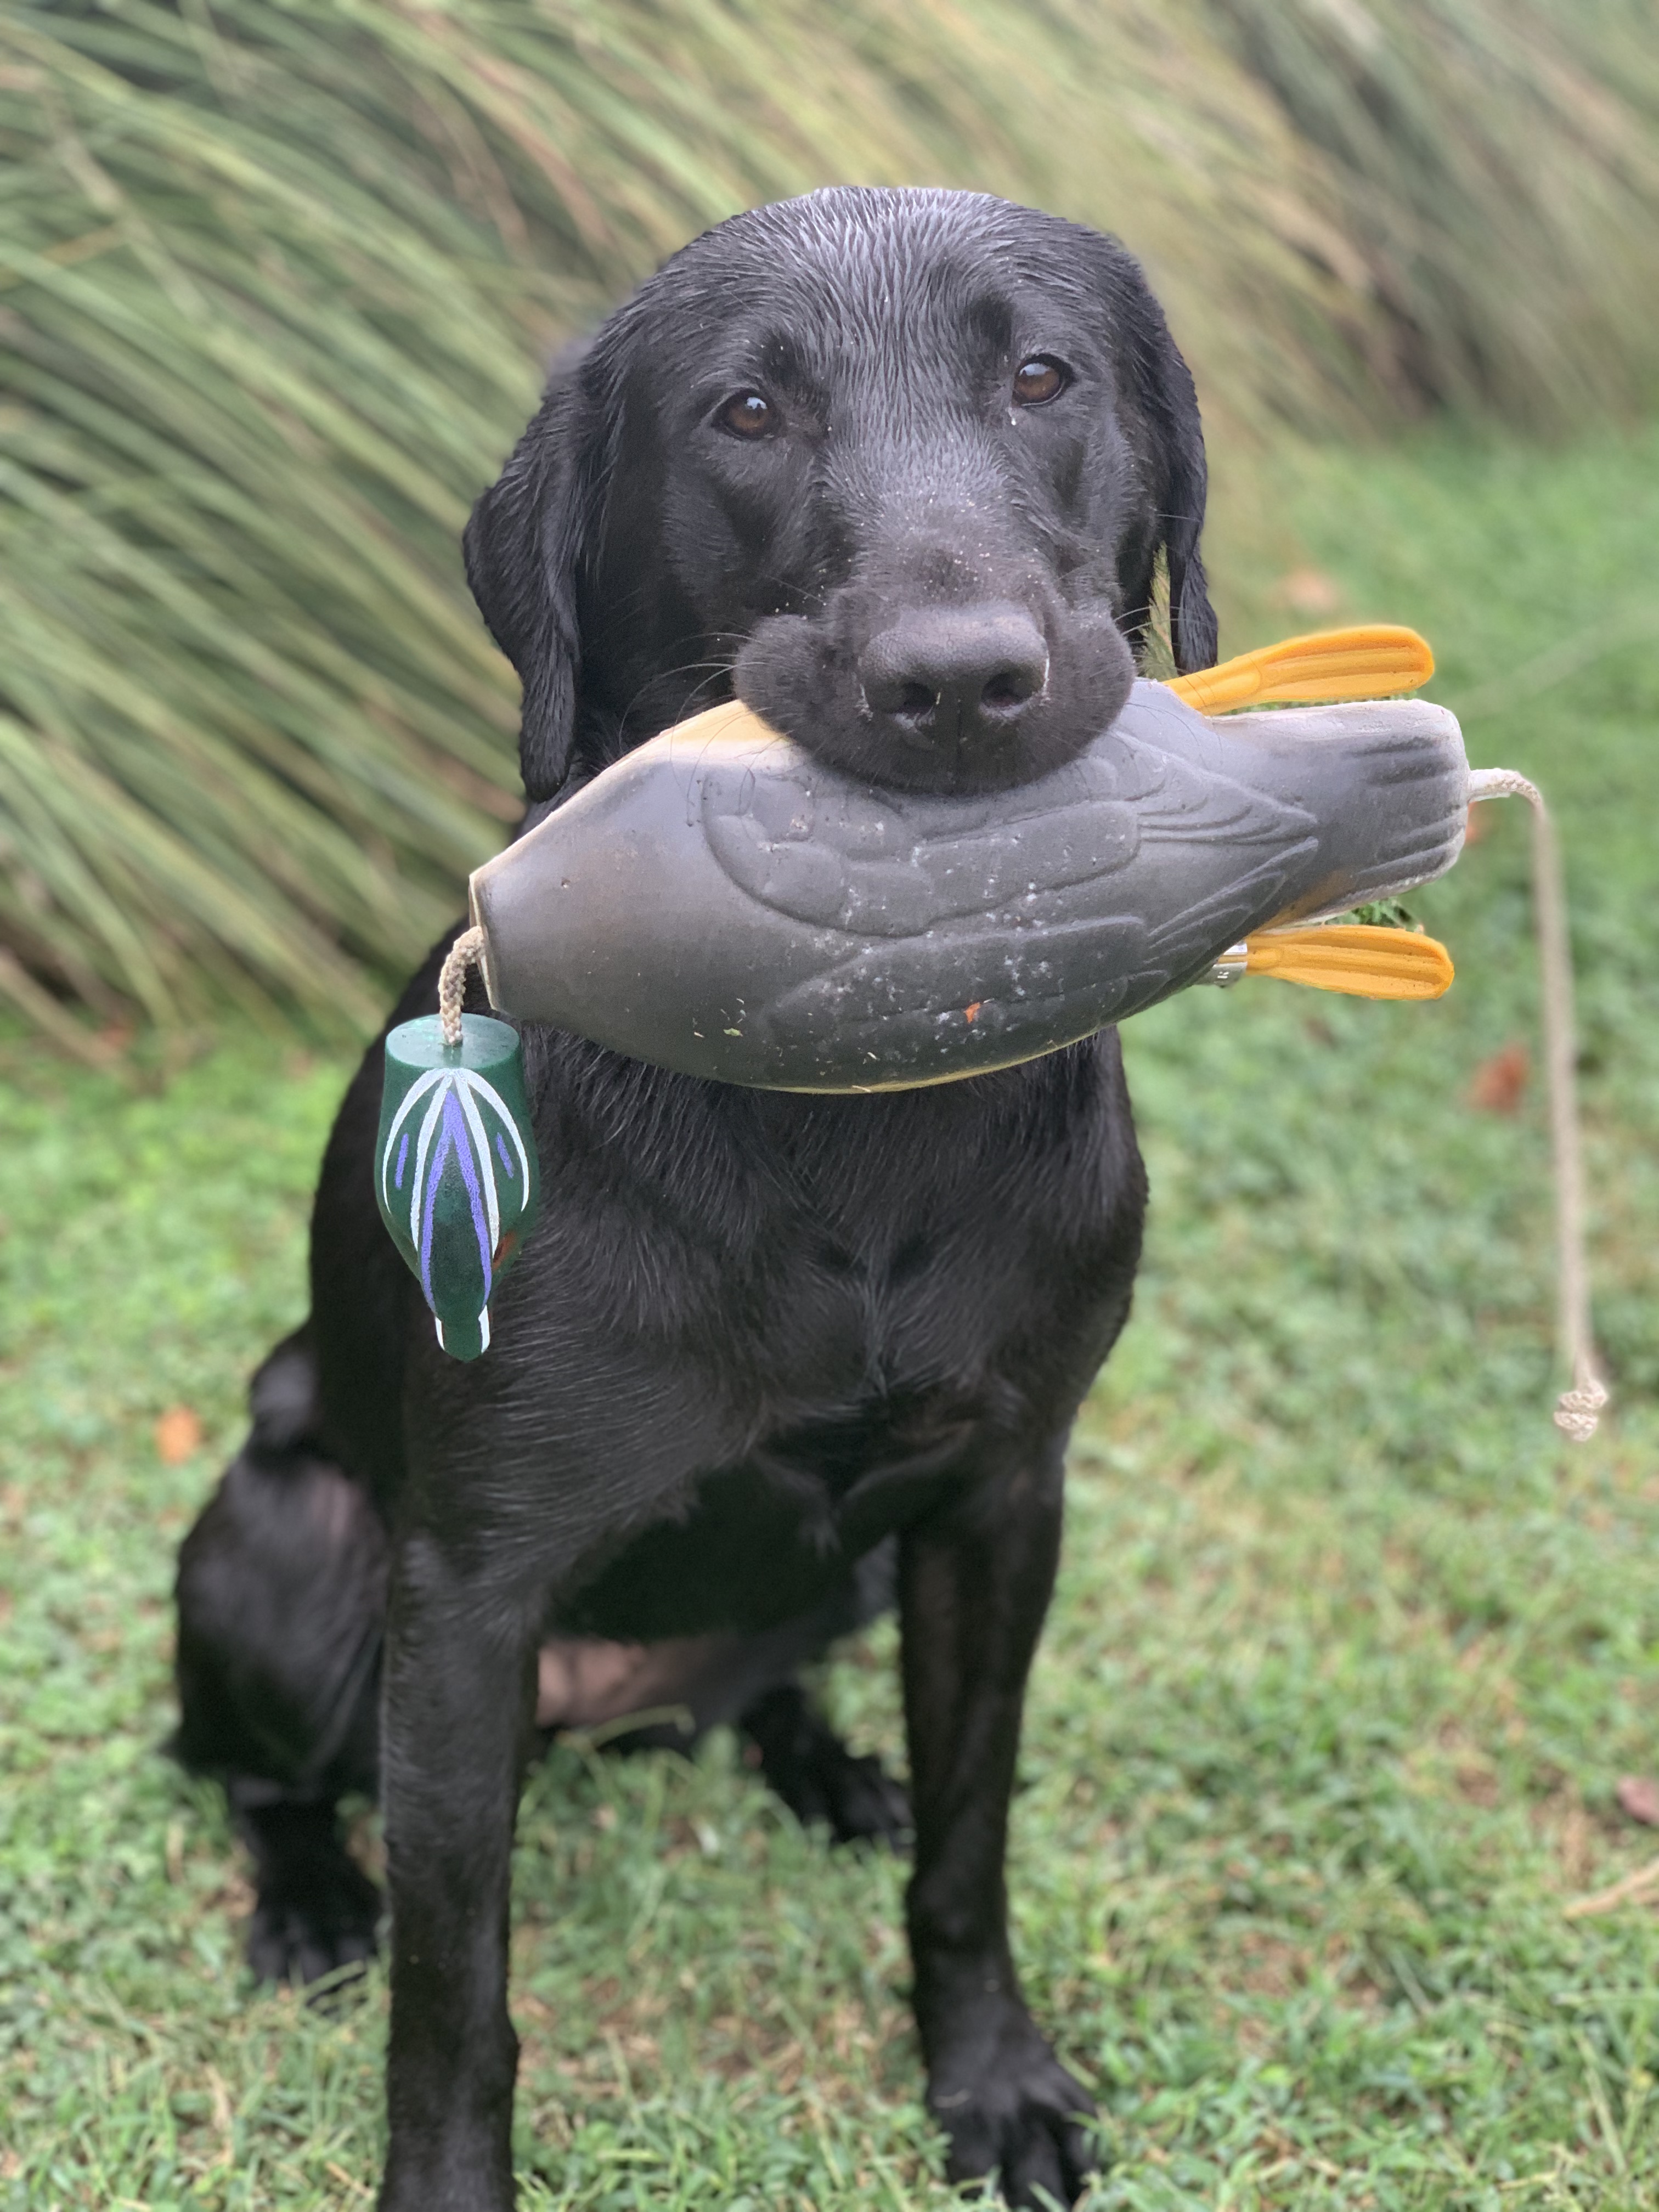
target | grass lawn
x=1350, y=1654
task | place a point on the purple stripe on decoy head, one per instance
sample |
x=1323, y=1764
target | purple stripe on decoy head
x=453, y=1138
x=455, y=1127
x=435, y=1168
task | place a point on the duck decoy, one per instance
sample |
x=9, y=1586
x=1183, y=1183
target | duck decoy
x=719, y=902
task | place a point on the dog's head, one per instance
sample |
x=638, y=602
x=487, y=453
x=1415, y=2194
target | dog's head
x=896, y=466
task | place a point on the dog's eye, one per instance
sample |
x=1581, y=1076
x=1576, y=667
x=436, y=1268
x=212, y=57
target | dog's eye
x=747, y=415
x=1038, y=380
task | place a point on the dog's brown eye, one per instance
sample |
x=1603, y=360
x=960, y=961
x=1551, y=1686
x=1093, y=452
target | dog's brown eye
x=747, y=414
x=1036, y=381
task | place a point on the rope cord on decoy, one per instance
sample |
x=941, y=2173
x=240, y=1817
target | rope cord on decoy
x=1578, y=1409
x=464, y=953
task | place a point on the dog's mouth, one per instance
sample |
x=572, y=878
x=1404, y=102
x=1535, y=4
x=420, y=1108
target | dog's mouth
x=980, y=696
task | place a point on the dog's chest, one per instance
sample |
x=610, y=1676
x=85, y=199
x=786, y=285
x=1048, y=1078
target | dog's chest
x=859, y=1312
x=886, y=1272
x=807, y=1261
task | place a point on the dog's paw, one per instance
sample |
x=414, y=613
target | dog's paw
x=861, y=1800
x=821, y=1782
x=1015, y=2118
x=308, y=1930
x=315, y=1911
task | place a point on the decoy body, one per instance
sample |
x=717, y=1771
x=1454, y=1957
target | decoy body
x=719, y=902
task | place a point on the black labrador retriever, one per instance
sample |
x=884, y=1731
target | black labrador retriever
x=898, y=467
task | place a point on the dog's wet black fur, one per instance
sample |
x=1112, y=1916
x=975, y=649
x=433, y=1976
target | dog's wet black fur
x=898, y=467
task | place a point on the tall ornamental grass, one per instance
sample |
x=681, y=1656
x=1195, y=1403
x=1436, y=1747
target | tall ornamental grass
x=277, y=278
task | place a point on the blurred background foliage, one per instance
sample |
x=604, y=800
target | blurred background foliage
x=277, y=279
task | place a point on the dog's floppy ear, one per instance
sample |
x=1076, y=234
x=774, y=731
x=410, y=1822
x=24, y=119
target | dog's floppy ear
x=1160, y=386
x=1193, y=628
x=526, y=543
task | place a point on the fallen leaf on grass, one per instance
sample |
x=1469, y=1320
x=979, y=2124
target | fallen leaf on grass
x=1308, y=592
x=1638, y=1795
x=177, y=1435
x=1499, y=1081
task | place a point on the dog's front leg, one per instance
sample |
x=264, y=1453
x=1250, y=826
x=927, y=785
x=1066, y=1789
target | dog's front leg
x=975, y=1583
x=459, y=1697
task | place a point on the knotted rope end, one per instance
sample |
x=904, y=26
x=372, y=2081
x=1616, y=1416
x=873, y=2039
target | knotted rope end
x=1578, y=1411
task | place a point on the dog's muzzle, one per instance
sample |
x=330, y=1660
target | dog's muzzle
x=951, y=696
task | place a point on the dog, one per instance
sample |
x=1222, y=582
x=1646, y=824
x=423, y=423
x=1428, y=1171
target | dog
x=897, y=468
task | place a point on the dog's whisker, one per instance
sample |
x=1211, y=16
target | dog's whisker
x=713, y=670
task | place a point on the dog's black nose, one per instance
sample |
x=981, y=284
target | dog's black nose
x=954, y=677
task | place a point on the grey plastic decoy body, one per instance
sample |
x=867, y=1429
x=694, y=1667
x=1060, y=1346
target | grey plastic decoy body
x=719, y=902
